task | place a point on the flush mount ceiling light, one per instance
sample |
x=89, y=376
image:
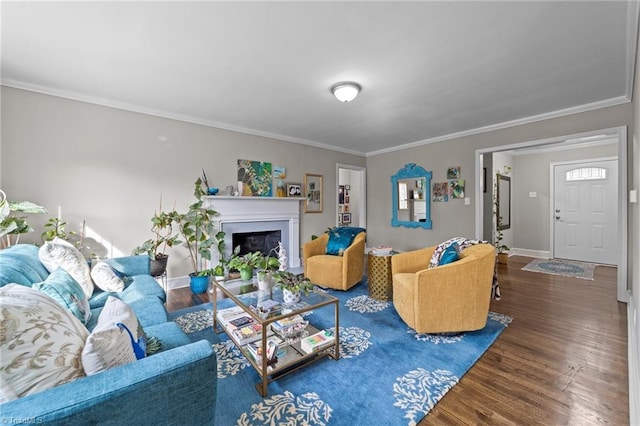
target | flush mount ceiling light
x=346, y=91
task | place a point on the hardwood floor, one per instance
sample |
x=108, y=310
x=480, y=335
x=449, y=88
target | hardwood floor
x=563, y=360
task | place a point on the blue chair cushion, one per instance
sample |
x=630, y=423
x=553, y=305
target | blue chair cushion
x=341, y=238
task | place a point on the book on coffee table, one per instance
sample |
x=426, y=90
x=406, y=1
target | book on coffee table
x=317, y=341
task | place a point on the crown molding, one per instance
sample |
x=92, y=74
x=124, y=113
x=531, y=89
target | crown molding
x=165, y=114
x=500, y=126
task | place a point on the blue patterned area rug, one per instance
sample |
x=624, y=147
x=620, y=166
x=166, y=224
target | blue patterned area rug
x=387, y=374
x=567, y=268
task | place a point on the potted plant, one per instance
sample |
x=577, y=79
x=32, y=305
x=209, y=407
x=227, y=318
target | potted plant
x=11, y=224
x=501, y=248
x=246, y=263
x=266, y=268
x=197, y=228
x=291, y=285
x=164, y=236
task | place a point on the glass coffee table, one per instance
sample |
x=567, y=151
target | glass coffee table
x=253, y=310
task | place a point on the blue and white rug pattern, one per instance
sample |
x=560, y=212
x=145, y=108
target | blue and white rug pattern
x=387, y=373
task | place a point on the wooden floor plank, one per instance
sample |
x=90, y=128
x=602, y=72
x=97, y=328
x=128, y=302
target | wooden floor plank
x=563, y=360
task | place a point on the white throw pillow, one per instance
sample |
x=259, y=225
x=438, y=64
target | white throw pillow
x=109, y=345
x=105, y=277
x=41, y=342
x=62, y=254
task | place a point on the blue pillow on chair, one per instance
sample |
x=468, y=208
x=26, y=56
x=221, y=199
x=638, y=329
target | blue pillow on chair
x=449, y=255
x=341, y=238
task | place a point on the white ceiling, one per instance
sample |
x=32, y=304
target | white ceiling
x=429, y=70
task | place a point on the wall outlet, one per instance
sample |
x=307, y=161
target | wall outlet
x=633, y=196
x=533, y=194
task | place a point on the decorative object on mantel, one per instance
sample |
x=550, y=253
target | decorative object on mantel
x=255, y=177
x=313, y=193
x=210, y=190
x=294, y=189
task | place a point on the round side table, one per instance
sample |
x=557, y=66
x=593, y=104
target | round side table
x=380, y=281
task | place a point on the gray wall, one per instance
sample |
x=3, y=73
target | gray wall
x=109, y=166
x=531, y=216
x=454, y=218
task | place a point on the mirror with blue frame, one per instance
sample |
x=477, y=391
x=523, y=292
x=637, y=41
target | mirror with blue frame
x=411, y=204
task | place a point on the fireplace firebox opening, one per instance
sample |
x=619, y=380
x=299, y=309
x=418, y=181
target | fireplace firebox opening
x=262, y=241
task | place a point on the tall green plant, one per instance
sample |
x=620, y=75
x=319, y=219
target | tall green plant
x=197, y=228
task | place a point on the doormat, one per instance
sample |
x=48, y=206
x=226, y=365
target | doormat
x=566, y=268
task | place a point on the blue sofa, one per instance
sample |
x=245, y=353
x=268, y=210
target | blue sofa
x=175, y=386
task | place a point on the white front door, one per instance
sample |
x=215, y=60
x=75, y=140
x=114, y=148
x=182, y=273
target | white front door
x=585, y=211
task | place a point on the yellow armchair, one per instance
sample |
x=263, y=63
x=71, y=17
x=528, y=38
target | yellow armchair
x=337, y=272
x=448, y=298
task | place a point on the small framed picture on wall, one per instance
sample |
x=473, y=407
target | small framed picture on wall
x=346, y=218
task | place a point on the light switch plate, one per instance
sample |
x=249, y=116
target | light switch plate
x=633, y=196
x=533, y=194
x=467, y=201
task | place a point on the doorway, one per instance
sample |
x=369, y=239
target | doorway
x=351, y=196
x=585, y=211
x=619, y=134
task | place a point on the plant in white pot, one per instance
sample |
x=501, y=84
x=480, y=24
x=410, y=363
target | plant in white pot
x=292, y=285
x=266, y=268
x=197, y=228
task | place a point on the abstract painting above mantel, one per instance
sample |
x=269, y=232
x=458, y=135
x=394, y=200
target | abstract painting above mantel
x=254, y=178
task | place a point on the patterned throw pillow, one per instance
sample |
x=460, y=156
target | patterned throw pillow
x=62, y=254
x=41, y=342
x=105, y=277
x=61, y=286
x=111, y=343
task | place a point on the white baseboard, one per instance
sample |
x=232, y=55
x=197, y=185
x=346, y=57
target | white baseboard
x=634, y=361
x=177, y=282
x=541, y=254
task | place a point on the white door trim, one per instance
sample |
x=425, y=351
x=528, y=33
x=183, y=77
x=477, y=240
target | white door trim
x=362, y=217
x=621, y=134
x=552, y=194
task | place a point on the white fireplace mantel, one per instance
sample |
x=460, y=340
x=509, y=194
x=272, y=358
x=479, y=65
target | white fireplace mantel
x=254, y=210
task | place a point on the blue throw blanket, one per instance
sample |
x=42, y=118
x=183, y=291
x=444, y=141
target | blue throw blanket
x=341, y=238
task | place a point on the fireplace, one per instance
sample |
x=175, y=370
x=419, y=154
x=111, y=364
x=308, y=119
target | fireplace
x=261, y=218
x=266, y=242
